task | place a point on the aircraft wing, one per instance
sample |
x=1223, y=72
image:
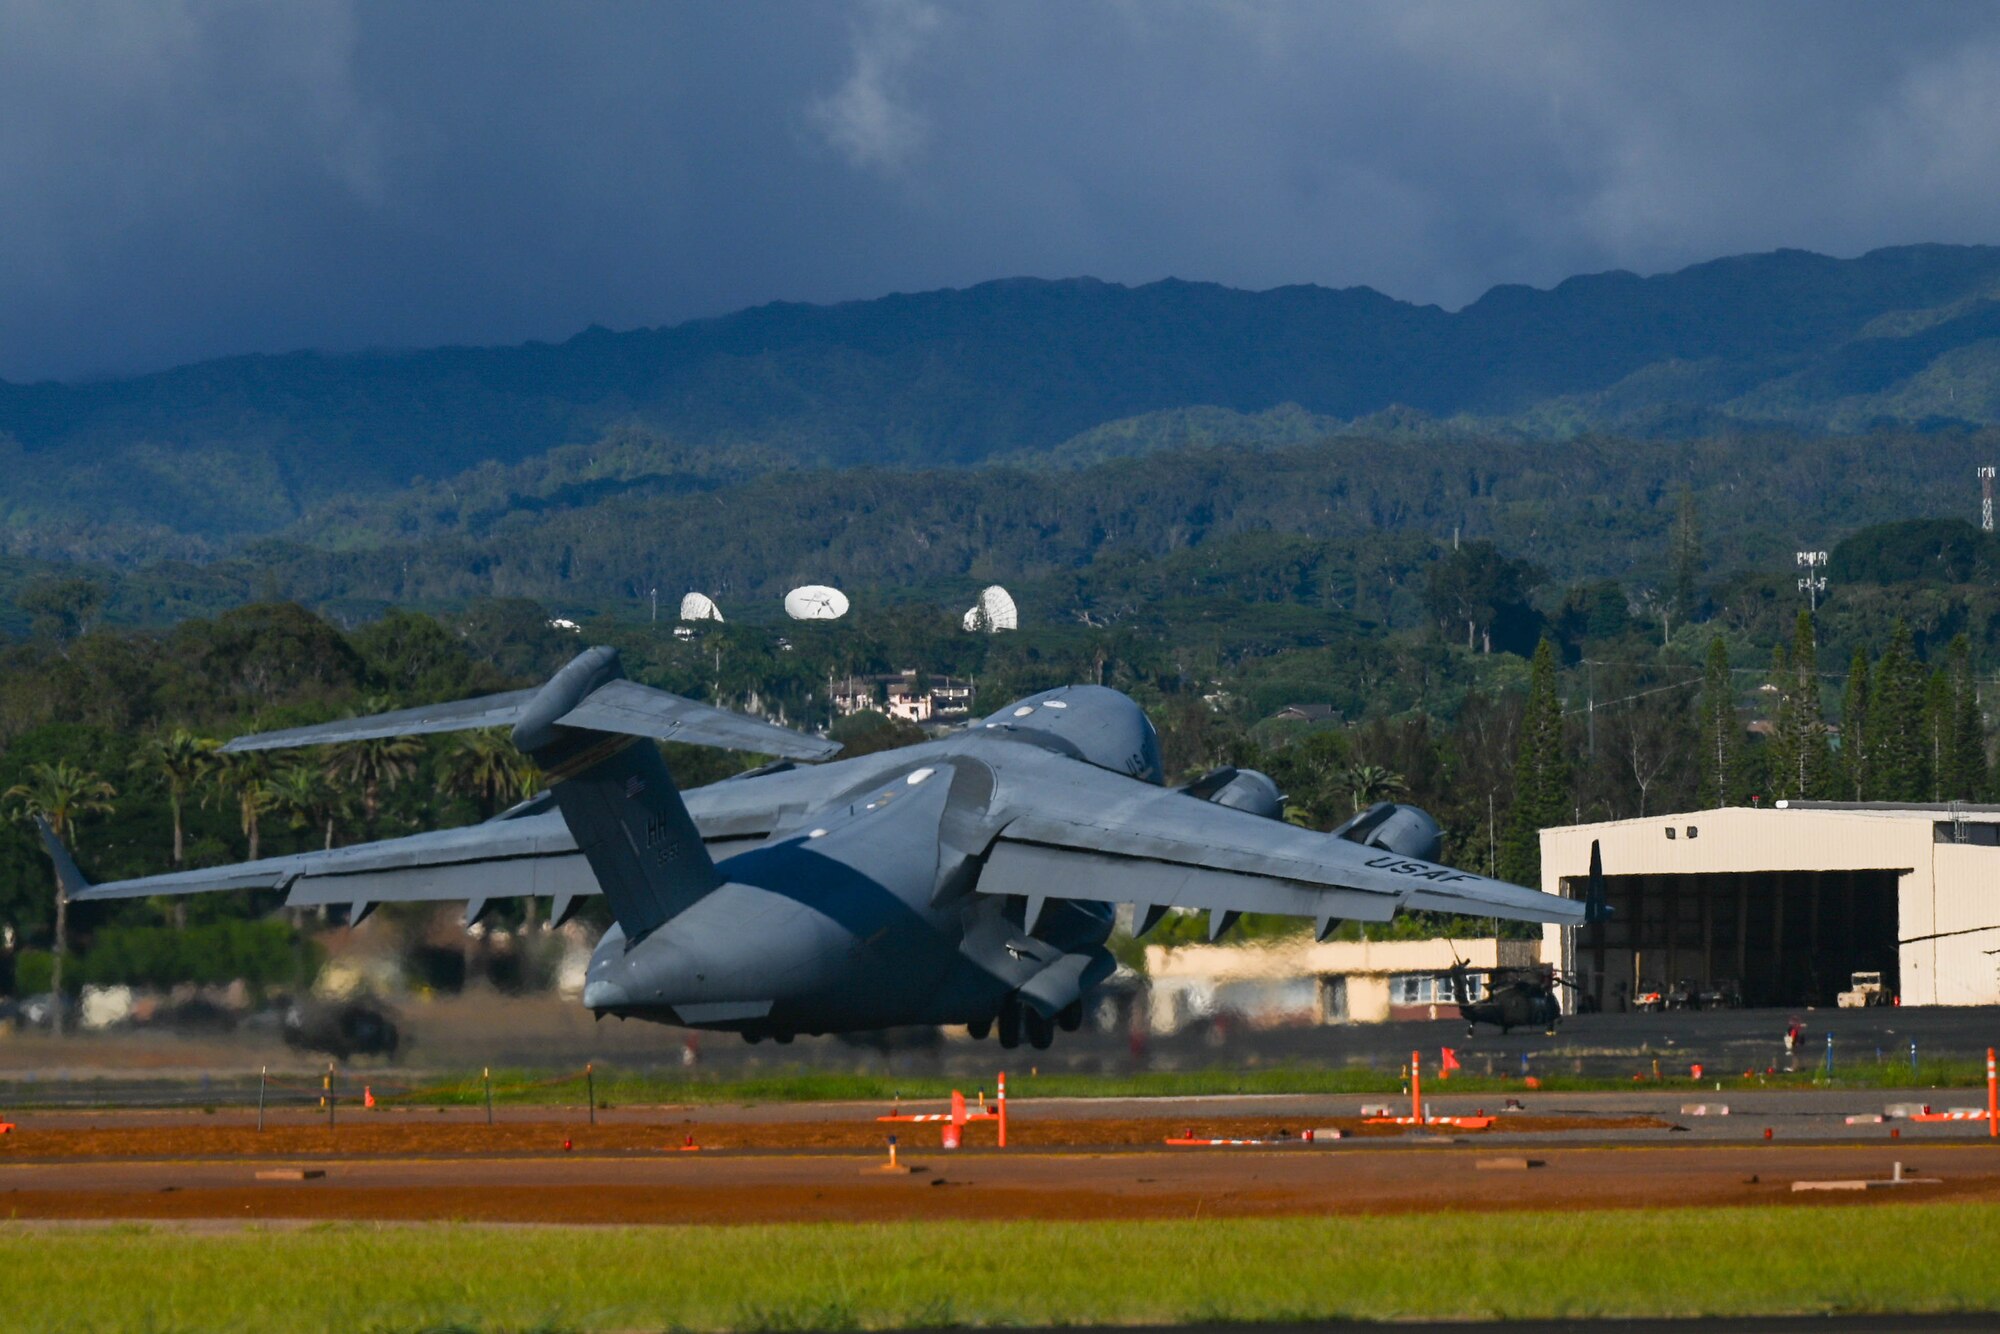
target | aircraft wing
x=529, y=855
x=1074, y=831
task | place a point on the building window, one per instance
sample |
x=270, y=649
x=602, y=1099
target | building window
x=1431, y=988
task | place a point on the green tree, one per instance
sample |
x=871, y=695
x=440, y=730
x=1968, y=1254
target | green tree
x=1684, y=561
x=1474, y=587
x=1721, y=729
x=303, y=794
x=1541, y=773
x=1856, y=727
x=1896, y=723
x=60, y=793
x=177, y=761
x=1970, y=776
x=1800, y=758
x=1368, y=784
x=375, y=765
x=242, y=781
x=484, y=766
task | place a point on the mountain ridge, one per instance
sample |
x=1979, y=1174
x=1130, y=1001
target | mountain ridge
x=196, y=458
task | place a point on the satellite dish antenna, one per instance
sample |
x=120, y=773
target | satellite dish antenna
x=700, y=607
x=815, y=602
x=995, y=611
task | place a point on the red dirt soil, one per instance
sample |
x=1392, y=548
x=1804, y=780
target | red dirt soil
x=402, y=1168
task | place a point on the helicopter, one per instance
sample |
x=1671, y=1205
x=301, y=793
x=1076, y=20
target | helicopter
x=1518, y=998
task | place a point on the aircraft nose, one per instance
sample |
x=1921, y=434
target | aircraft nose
x=599, y=994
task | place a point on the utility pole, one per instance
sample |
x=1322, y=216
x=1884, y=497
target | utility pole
x=655, y=591
x=1812, y=583
x=1590, y=705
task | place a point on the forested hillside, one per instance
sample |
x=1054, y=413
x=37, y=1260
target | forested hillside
x=178, y=462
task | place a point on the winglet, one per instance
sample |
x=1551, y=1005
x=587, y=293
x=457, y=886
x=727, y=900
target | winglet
x=71, y=879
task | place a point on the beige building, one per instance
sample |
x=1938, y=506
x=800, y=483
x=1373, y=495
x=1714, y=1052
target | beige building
x=1307, y=982
x=1786, y=903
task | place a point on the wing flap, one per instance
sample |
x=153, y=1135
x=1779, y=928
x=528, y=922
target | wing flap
x=1029, y=869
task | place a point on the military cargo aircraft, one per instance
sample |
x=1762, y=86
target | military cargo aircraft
x=972, y=879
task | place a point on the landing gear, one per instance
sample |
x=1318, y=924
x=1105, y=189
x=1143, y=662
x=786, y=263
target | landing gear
x=1070, y=1017
x=978, y=1029
x=1041, y=1032
x=1010, y=1023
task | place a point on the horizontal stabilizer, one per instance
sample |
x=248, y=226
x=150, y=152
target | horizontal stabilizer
x=617, y=706
x=634, y=710
x=532, y=855
x=463, y=715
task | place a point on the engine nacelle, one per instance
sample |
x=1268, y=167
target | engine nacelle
x=1408, y=831
x=1254, y=792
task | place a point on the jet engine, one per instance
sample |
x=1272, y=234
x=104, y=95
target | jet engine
x=1407, y=830
x=1240, y=789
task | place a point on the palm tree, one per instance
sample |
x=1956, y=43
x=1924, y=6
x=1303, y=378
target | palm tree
x=374, y=764
x=179, y=761
x=59, y=793
x=1367, y=784
x=485, y=767
x=302, y=794
x=241, y=781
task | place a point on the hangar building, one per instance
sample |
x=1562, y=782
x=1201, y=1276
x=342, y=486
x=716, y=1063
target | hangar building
x=1786, y=902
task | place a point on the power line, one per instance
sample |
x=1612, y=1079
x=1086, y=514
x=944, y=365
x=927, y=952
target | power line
x=1626, y=699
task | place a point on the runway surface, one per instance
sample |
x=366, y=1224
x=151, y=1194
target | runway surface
x=1068, y=1158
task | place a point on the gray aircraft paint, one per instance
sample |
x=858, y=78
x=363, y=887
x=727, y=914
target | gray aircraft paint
x=955, y=881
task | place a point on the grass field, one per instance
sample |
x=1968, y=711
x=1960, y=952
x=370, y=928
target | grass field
x=517, y=1086
x=362, y=1279
x=616, y=1087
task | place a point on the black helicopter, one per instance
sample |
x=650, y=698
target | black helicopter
x=1525, y=997
x=1517, y=998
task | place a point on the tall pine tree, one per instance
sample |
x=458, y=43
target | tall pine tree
x=1721, y=729
x=1800, y=759
x=1896, y=769
x=1855, y=727
x=1966, y=777
x=1541, y=774
x=1939, y=762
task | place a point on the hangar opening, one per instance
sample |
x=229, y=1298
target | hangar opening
x=1765, y=938
x=1781, y=906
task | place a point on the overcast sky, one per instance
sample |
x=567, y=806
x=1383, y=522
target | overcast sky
x=181, y=179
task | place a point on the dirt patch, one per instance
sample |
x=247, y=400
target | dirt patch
x=411, y=1135
x=1344, y=1178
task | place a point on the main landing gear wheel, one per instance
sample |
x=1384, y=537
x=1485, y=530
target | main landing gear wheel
x=1010, y=1024
x=1041, y=1032
x=1070, y=1017
x=978, y=1029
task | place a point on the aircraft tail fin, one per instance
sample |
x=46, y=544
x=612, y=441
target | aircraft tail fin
x=616, y=796
x=1595, y=909
x=71, y=879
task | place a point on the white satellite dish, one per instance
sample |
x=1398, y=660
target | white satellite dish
x=815, y=602
x=995, y=611
x=700, y=607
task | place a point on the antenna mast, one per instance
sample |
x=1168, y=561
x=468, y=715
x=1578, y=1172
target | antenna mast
x=1812, y=583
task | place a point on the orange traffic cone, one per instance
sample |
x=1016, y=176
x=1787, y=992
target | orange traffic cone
x=367, y=1096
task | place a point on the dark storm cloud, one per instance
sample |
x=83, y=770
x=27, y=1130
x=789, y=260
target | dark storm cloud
x=190, y=179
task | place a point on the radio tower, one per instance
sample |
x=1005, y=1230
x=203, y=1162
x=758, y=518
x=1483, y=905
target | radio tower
x=1812, y=583
x=1986, y=500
